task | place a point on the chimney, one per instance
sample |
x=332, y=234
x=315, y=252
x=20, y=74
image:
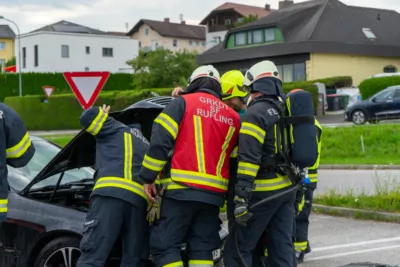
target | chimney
x=183, y=22
x=268, y=7
x=166, y=19
x=285, y=3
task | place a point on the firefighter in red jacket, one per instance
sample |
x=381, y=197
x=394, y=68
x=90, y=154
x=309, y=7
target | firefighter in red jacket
x=202, y=131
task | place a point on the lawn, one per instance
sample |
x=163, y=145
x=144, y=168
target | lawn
x=377, y=144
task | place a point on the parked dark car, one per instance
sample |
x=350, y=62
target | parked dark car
x=384, y=105
x=49, y=198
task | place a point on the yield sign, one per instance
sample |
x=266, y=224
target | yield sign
x=86, y=85
x=48, y=90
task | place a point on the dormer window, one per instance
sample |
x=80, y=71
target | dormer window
x=368, y=33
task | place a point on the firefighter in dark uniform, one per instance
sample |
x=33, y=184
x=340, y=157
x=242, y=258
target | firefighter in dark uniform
x=202, y=131
x=16, y=150
x=258, y=176
x=118, y=202
x=301, y=244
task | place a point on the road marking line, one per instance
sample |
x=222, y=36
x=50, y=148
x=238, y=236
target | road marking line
x=363, y=243
x=351, y=253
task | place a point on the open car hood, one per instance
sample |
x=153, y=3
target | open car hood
x=81, y=150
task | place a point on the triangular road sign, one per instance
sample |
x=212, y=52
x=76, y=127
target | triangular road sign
x=48, y=90
x=86, y=85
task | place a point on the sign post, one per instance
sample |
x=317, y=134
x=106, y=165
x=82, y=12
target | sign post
x=86, y=85
x=48, y=91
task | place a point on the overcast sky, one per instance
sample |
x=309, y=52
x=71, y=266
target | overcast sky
x=112, y=15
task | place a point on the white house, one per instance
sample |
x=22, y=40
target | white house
x=65, y=46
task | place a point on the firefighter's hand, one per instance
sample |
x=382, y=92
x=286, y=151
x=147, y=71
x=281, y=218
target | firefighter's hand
x=176, y=91
x=241, y=212
x=106, y=108
x=151, y=191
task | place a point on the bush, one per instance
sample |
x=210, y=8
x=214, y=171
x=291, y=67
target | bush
x=371, y=86
x=32, y=83
x=62, y=111
x=336, y=82
x=312, y=88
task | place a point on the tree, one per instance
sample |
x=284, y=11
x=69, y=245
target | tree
x=11, y=62
x=247, y=19
x=162, y=68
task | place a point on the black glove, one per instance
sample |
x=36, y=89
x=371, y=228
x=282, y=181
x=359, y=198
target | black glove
x=241, y=213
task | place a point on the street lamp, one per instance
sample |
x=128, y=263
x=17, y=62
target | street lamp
x=19, y=54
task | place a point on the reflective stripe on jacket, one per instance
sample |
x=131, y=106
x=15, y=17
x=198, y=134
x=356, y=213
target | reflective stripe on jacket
x=313, y=171
x=120, y=151
x=16, y=150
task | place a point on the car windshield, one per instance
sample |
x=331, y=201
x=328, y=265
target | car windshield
x=19, y=178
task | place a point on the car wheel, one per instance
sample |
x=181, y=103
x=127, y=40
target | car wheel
x=60, y=252
x=359, y=117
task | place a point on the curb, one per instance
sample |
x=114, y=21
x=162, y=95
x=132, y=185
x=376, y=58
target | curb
x=358, y=167
x=357, y=213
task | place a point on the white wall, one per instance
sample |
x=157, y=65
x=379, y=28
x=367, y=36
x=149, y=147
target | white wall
x=210, y=38
x=49, y=52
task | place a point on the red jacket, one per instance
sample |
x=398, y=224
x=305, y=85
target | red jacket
x=207, y=135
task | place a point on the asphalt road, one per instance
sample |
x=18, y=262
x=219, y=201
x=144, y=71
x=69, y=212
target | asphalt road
x=339, y=241
x=357, y=180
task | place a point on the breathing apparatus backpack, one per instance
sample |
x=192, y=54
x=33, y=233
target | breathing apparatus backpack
x=296, y=134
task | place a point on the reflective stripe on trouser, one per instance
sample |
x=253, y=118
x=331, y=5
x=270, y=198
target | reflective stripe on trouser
x=302, y=220
x=19, y=149
x=201, y=263
x=215, y=183
x=174, y=264
x=300, y=246
x=271, y=184
x=191, y=221
x=122, y=183
x=3, y=209
x=96, y=125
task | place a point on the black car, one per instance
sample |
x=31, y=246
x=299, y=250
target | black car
x=49, y=198
x=384, y=105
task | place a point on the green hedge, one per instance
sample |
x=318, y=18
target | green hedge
x=371, y=86
x=332, y=82
x=32, y=83
x=62, y=111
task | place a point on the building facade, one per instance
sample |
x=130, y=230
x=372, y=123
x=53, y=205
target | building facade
x=56, y=51
x=222, y=19
x=307, y=42
x=7, y=43
x=173, y=36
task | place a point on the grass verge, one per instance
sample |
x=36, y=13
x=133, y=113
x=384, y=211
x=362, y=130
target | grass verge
x=385, y=197
x=60, y=140
x=342, y=145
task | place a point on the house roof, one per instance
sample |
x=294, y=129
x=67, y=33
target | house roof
x=117, y=33
x=324, y=26
x=69, y=27
x=6, y=32
x=169, y=29
x=244, y=10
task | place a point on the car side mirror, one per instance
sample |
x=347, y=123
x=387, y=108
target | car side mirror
x=373, y=99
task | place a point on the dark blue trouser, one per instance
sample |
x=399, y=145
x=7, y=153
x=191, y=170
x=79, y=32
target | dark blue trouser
x=302, y=222
x=258, y=252
x=195, y=222
x=109, y=218
x=277, y=217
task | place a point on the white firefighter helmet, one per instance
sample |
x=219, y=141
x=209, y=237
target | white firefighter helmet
x=204, y=71
x=260, y=70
